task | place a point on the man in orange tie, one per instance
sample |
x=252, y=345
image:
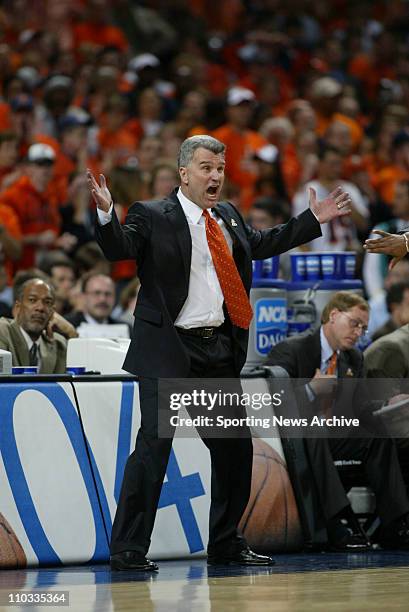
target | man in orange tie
x=322, y=357
x=194, y=257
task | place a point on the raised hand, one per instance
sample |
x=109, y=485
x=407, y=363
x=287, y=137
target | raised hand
x=100, y=193
x=60, y=324
x=337, y=204
x=389, y=244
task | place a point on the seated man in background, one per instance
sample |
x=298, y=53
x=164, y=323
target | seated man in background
x=61, y=271
x=30, y=336
x=329, y=352
x=397, y=303
x=379, y=315
x=98, y=301
x=388, y=356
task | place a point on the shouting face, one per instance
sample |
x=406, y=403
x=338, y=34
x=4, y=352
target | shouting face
x=202, y=179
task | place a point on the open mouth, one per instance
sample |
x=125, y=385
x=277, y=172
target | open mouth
x=212, y=190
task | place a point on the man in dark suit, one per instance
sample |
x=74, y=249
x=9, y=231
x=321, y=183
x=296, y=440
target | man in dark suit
x=194, y=258
x=321, y=357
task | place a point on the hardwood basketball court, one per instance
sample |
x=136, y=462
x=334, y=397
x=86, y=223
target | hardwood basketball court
x=299, y=582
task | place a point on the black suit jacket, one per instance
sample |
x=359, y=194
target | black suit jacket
x=301, y=356
x=156, y=234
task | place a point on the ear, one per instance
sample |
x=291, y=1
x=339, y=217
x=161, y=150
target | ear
x=332, y=314
x=183, y=175
x=16, y=309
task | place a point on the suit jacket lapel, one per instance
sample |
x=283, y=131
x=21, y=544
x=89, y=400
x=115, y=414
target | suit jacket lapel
x=343, y=364
x=232, y=229
x=178, y=221
x=312, y=354
x=20, y=345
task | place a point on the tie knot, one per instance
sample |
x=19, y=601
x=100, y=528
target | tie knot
x=206, y=214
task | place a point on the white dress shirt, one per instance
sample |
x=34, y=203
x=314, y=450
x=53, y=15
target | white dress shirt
x=204, y=303
x=326, y=352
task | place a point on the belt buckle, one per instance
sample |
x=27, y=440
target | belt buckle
x=207, y=332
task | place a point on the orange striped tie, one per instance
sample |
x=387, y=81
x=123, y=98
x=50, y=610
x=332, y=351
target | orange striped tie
x=328, y=403
x=332, y=364
x=235, y=296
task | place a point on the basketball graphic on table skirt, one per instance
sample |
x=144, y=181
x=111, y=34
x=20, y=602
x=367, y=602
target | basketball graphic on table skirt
x=11, y=551
x=271, y=521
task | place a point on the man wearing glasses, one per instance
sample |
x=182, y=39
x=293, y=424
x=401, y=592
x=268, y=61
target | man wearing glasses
x=322, y=357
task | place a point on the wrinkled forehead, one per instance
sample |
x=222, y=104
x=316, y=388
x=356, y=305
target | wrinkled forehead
x=37, y=290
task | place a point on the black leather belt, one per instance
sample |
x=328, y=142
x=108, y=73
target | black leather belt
x=201, y=332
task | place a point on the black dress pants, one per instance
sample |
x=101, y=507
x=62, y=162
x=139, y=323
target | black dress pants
x=380, y=463
x=231, y=463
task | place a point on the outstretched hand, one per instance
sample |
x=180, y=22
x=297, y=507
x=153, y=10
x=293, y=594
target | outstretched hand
x=100, y=192
x=389, y=244
x=337, y=204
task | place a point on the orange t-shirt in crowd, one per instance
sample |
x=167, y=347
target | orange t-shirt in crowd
x=291, y=169
x=366, y=70
x=355, y=128
x=135, y=128
x=123, y=142
x=5, y=123
x=374, y=164
x=37, y=212
x=240, y=148
x=99, y=36
x=385, y=181
x=9, y=220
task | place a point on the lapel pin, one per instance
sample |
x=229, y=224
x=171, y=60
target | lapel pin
x=234, y=224
x=349, y=372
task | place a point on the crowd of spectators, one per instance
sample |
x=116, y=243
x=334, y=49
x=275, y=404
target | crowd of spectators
x=302, y=92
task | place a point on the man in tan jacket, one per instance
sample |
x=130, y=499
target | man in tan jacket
x=30, y=336
x=388, y=357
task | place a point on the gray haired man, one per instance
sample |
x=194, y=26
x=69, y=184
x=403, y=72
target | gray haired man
x=194, y=256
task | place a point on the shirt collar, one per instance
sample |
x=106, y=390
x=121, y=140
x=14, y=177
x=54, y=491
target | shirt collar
x=27, y=338
x=93, y=321
x=192, y=211
x=326, y=350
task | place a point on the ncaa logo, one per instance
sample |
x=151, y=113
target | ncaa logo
x=270, y=323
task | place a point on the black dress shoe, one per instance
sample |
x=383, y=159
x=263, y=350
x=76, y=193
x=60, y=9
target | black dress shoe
x=245, y=557
x=132, y=560
x=352, y=542
x=343, y=538
x=396, y=535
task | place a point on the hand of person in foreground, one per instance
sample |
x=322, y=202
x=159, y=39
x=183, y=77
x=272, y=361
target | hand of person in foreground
x=389, y=244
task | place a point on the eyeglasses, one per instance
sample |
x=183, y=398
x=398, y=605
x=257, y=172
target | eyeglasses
x=355, y=324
